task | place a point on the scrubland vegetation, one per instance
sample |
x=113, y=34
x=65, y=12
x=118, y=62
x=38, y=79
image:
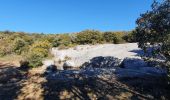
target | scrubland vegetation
x=35, y=47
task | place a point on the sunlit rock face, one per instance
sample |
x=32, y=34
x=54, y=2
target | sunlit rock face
x=47, y=63
x=119, y=60
x=109, y=67
x=84, y=53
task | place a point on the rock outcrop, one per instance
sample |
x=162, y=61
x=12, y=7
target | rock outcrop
x=133, y=63
x=84, y=53
x=120, y=60
x=102, y=62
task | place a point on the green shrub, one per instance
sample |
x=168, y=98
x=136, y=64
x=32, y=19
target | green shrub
x=41, y=44
x=34, y=59
x=13, y=43
x=6, y=47
x=114, y=37
x=37, y=52
x=47, y=37
x=130, y=36
x=119, y=37
x=18, y=45
x=63, y=39
x=109, y=37
x=89, y=37
x=35, y=56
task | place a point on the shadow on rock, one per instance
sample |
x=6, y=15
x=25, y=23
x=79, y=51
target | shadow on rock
x=75, y=86
x=102, y=62
x=103, y=78
x=138, y=52
x=148, y=54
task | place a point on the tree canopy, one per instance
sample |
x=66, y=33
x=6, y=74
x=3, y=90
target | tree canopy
x=153, y=30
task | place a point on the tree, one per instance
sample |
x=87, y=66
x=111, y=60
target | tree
x=153, y=30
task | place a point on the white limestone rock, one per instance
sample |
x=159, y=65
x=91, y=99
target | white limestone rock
x=69, y=64
x=48, y=63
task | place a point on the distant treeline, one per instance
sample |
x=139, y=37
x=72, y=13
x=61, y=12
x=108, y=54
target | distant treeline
x=35, y=47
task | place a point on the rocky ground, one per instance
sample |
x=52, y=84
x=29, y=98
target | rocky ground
x=19, y=84
x=127, y=57
x=117, y=73
x=83, y=53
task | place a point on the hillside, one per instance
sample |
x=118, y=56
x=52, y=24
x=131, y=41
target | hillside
x=110, y=71
x=93, y=64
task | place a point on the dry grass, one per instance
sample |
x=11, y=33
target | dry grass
x=12, y=59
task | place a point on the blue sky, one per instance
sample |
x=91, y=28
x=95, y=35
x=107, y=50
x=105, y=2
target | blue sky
x=61, y=16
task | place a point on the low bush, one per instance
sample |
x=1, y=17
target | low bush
x=119, y=37
x=64, y=40
x=109, y=37
x=37, y=52
x=35, y=56
x=89, y=37
x=41, y=44
x=130, y=36
x=18, y=45
x=6, y=47
x=113, y=37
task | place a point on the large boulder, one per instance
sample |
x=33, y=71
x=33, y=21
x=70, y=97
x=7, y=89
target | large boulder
x=142, y=72
x=128, y=73
x=156, y=71
x=133, y=63
x=102, y=62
